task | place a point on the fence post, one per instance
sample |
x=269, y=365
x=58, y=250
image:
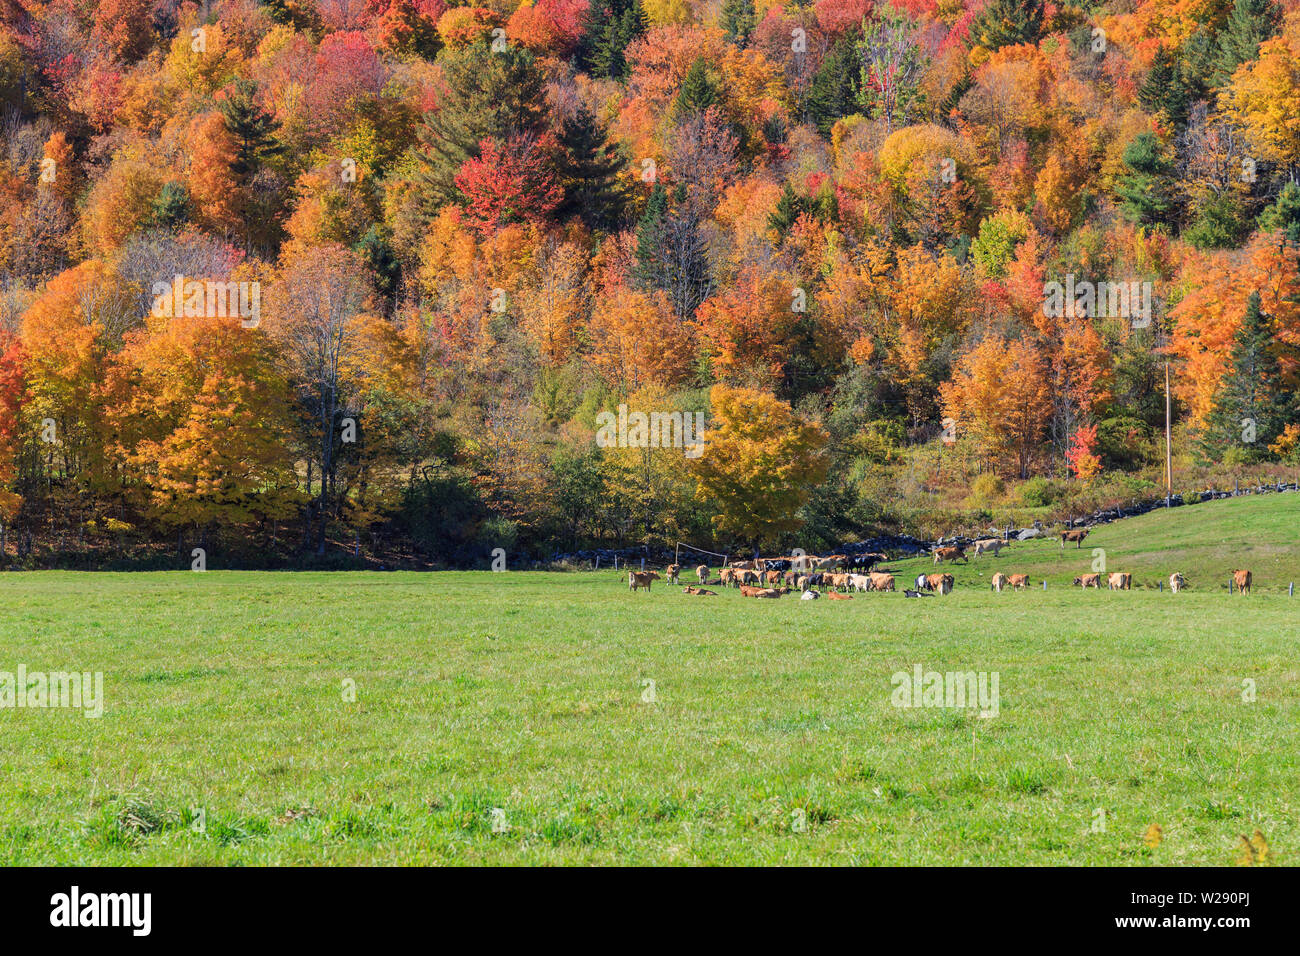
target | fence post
x=597, y=567
x=1229, y=585
x=1044, y=584
x=1160, y=586
x=1290, y=591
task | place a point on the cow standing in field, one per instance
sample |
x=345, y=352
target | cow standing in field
x=702, y=572
x=880, y=581
x=1088, y=581
x=999, y=582
x=986, y=545
x=1120, y=581
x=1076, y=535
x=1177, y=582
x=942, y=583
x=950, y=554
x=1018, y=581
x=860, y=582
x=641, y=579
x=672, y=571
x=1242, y=580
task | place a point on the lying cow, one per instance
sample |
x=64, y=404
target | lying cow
x=986, y=545
x=1018, y=581
x=747, y=591
x=942, y=583
x=950, y=554
x=700, y=591
x=999, y=582
x=641, y=579
x=1088, y=581
x=809, y=596
x=672, y=571
x=836, y=596
x=1120, y=581
x=1177, y=582
x=1076, y=535
x=1242, y=580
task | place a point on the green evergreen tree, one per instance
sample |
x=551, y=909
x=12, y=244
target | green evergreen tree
x=650, y=239
x=1164, y=90
x=835, y=87
x=489, y=96
x=1007, y=22
x=1284, y=214
x=739, y=19
x=172, y=208
x=698, y=91
x=1252, y=406
x=589, y=172
x=610, y=25
x=1250, y=23
x=1145, y=189
x=253, y=129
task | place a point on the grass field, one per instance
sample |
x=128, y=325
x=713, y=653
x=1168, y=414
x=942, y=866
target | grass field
x=771, y=736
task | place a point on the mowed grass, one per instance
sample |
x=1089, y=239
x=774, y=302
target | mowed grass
x=771, y=737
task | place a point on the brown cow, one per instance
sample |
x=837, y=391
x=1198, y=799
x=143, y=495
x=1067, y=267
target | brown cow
x=746, y=591
x=1242, y=580
x=727, y=577
x=1019, y=581
x=672, y=571
x=1119, y=581
x=641, y=579
x=1076, y=535
x=701, y=591
x=1088, y=581
x=950, y=554
x=999, y=582
x=1177, y=582
x=702, y=572
x=880, y=581
x=939, y=582
x=837, y=596
x=774, y=577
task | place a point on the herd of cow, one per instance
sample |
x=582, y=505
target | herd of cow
x=814, y=576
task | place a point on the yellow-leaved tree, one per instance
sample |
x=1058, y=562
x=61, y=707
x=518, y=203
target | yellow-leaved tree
x=760, y=464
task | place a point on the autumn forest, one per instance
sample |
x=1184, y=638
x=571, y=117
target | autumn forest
x=339, y=283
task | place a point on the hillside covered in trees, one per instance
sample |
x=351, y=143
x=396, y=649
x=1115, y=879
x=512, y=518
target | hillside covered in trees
x=318, y=281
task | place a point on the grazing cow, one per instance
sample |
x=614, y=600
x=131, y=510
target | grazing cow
x=1242, y=580
x=641, y=579
x=880, y=581
x=1019, y=581
x=700, y=591
x=860, y=582
x=990, y=544
x=1119, y=581
x=1076, y=535
x=1177, y=582
x=702, y=572
x=809, y=596
x=672, y=571
x=920, y=581
x=1088, y=581
x=950, y=554
x=773, y=577
x=999, y=582
x=826, y=564
x=836, y=596
x=727, y=577
x=939, y=582
x=744, y=565
x=750, y=577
